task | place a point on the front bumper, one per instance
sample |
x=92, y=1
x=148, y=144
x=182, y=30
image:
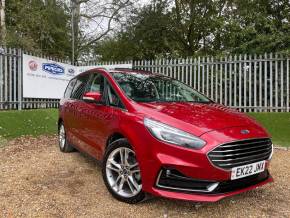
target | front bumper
x=172, y=180
x=203, y=181
x=177, y=186
x=205, y=197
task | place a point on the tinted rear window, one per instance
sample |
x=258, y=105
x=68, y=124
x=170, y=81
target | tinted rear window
x=80, y=86
x=69, y=88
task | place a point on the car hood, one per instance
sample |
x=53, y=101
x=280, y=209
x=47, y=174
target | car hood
x=199, y=117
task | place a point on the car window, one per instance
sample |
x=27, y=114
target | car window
x=113, y=98
x=97, y=84
x=69, y=88
x=150, y=87
x=80, y=86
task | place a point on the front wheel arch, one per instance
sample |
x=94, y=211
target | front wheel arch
x=60, y=121
x=114, y=137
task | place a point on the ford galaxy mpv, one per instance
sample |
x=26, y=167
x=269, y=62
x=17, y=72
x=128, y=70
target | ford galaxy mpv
x=156, y=135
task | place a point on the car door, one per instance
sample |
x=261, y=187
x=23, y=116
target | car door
x=96, y=118
x=74, y=110
x=65, y=107
x=119, y=112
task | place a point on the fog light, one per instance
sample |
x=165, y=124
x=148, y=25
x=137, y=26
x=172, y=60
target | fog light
x=174, y=180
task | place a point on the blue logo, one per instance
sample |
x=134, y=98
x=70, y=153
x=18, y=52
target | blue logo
x=54, y=69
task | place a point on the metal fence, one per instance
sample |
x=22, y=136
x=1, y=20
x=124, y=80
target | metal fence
x=11, y=83
x=251, y=83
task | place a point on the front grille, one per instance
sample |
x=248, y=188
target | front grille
x=240, y=153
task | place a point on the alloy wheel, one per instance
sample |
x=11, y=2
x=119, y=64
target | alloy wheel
x=62, y=137
x=123, y=172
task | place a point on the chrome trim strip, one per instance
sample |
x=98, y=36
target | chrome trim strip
x=88, y=98
x=210, y=188
x=158, y=178
x=240, y=149
x=232, y=155
x=241, y=158
x=271, y=155
x=243, y=162
x=229, y=146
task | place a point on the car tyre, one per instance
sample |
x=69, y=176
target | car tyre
x=117, y=170
x=64, y=146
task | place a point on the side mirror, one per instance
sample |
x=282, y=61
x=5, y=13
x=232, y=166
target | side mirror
x=92, y=97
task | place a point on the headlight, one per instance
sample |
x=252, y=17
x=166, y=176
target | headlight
x=172, y=135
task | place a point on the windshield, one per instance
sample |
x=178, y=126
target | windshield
x=142, y=87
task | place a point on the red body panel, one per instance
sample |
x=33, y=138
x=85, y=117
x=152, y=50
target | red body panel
x=89, y=126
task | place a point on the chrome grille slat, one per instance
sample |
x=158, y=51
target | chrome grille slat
x=246, y=144
x=241, y=158
x=231, y=155
x=239, y=153
x=241, y=163
x=240, y=149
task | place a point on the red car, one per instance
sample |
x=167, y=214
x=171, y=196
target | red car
x=157, y=135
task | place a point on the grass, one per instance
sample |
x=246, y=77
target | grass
x=277, y=124
x=14, y=124
x=38, y=122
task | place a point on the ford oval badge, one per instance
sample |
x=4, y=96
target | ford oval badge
x=53, y=68
x=245, y=131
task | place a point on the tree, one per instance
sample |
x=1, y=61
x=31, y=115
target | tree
x=171, y=29
x=197, y=27
x=117, y=30
x=149, y=31
x=39, y=26
x=257, y=26
x=146, y=35
x=94, y=20
x=2, y=22
x=194, y=22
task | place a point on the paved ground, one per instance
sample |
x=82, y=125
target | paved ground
x=36, y=180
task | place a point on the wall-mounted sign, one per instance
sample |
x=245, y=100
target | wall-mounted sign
x=44, y=78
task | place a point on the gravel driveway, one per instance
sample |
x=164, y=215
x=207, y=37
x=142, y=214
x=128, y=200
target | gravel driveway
x=37, y=180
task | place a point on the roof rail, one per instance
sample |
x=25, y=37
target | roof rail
x=133, y=70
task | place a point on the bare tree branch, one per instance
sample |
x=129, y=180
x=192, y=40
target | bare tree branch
x=97, y=18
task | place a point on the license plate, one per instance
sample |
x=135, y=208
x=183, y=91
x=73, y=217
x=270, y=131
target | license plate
x=247, y=170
